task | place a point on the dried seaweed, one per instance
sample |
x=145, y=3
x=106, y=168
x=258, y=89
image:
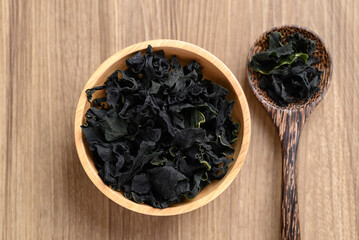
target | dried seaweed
x=287, y=72
x=164, y=134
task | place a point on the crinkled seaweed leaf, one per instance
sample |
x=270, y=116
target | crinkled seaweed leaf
x=301, y=44
x=287, y=72
x=162, y=133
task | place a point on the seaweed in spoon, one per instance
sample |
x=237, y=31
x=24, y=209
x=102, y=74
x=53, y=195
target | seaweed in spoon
x=287, y=71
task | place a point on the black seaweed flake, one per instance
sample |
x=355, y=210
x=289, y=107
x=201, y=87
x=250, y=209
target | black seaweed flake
x=164, y=133
x=287, y=72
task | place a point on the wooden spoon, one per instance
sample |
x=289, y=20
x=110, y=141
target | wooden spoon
x=289, y=121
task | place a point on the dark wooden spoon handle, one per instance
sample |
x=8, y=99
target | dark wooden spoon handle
x=290, y=210
x=289, y=128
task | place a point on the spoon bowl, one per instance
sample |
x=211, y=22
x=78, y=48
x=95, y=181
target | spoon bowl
x=324, y=65
x=289, y=120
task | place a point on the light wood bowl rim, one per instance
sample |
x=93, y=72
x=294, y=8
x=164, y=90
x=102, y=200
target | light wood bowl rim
x=178, y=208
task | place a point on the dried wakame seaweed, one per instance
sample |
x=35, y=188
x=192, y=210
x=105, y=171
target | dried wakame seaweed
x=162, y=133
x=287, y=72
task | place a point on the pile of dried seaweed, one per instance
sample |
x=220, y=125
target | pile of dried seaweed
x=287, y=72
x=161, y=133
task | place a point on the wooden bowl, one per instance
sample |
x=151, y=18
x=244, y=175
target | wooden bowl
x=214, y=70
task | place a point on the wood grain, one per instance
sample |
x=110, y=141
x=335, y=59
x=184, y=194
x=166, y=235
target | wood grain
x=49, y=49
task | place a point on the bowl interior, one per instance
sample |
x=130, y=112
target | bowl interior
x=210, y=71
x=321, y=52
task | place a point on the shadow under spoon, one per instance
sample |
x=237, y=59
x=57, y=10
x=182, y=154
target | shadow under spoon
x=289, y=121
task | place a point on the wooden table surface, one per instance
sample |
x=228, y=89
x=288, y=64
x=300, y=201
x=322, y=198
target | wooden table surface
x=49, y=49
